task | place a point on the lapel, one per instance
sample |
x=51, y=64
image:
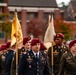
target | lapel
x=40, y=55
x=31, y=54
x=72, y=57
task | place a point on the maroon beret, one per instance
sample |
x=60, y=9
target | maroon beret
x=35, y=41
x=72, y=43
x=8, y=44
x=3, y=47
x=26, y=39
x=59, y=35
x=42, y=47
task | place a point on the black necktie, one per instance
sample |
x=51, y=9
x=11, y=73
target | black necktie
x=36, y=55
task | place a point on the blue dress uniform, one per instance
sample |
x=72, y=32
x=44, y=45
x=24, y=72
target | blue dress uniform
x=8, y=62
x=30, y=65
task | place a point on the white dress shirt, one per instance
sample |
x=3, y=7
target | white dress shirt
x=36, y=53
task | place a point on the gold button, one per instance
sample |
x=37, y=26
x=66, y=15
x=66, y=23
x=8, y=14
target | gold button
x=37, y=70
x=37, y=63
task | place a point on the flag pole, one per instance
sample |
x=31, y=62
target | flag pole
x=16, y=57
x=16, y=46
x=49, y=37
x=16, y=36
x=52, y=59
x=52, y=53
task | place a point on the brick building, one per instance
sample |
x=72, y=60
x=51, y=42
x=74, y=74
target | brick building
x=37, y=9
x=29, y=9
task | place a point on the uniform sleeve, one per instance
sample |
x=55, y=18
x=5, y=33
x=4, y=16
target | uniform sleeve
x=21, y=66
x=47, y=70
x=62, y=65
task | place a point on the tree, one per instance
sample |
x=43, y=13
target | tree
x=36, y=28
x=62, y=27
x=5, y=26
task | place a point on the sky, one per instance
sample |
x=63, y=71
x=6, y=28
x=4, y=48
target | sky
x=60, y=1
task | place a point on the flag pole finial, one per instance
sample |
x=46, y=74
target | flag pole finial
x=15, y=10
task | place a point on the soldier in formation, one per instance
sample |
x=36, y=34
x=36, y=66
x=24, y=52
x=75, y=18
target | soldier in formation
x=2, y=59
x=68, y=61
x=10, y=64
x=34, y=62
x=26, y=46
x=58, y=50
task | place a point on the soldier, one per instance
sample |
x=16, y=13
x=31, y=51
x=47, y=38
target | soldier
x=26, y=46
x=2, y=59
x=58, y=50
x=10, y=66
x=68, y=61
x=34, y=62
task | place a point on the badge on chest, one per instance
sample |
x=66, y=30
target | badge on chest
x=29, y=60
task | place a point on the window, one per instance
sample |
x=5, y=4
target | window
x=1, y=35
x=32, y=15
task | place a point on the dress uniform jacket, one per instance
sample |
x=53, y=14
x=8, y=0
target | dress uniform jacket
x=67, y=64
x=58, y=51
x=20, y=52
x=2, y=63
x=8, y=63
x=30, y=65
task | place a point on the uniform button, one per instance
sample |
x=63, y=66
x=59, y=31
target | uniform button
x=37, y=63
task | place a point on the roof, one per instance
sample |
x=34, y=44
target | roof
x=33, y=3
x=63, y=8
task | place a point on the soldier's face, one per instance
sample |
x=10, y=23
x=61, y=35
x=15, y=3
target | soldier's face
x=28, y=45
x=58, y=41
x=36, y=47
x=73, y=48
